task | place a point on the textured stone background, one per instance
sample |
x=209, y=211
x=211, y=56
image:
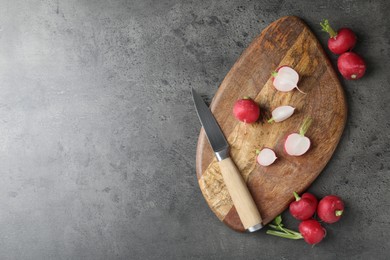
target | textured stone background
x=98, y=130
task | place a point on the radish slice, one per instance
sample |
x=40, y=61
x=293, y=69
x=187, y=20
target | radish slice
x=286, y=79
x=298, y=144
x=266, y=157
x=281, y=113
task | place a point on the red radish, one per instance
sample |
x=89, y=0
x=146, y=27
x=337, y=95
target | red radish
x=303, y=207
x=266, y=157
x=298, y=144
x=330, y=209
x=341, y=41
x=312, y=231
x=310, y=197
x=351, y=65
x=281, y=113
x=286, y=79
x=246, y=110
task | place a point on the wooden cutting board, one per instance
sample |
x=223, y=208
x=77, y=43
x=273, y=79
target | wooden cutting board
x=287, y=41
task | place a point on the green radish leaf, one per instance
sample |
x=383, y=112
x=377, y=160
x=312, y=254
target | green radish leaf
x=278, y=220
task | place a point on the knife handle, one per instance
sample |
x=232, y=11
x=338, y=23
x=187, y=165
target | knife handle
x=242, y=199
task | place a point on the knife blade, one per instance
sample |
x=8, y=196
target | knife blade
x=238, y=190
x=214, y=134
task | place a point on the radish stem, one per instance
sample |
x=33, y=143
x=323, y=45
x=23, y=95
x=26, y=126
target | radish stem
x=338, y=213
x=305, y=126
x=285, y=230
x=284, y=235
x=326, y=28
x=274, y=73
x=271, y=120
x=280, y=231
x=297, y=198
x=290, y=231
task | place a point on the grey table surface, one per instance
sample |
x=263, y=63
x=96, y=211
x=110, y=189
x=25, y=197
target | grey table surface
x=98, y=131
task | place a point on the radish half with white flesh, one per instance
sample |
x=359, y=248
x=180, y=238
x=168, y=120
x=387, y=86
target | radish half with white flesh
x=281, y=113
x=298, y=144
x=266, y=157
x=286, y=79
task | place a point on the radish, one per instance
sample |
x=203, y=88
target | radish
x=286, y=79
x=351, y=65
x=246, y=110
x=341, y=41
x=298, y=144
x=310, y=197
x=312, y=231
x=281, y=113
x=330, y=209
x=303, y=207
x=266, y=157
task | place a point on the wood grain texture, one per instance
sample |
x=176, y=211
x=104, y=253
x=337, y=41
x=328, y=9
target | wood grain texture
x=287, y=41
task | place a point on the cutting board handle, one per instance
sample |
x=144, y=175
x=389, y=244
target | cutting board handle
x=242, y=199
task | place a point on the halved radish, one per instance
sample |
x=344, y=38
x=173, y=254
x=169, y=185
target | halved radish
x=298, y=144
x=266, y=157
x=281, y=113
x=286, y=79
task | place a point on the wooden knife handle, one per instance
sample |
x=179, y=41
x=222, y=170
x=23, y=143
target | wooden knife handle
x=242, y=199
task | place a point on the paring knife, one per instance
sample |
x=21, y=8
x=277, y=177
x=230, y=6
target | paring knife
x=242, y=199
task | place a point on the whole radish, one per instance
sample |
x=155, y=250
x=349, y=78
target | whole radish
x=312, y=231
x=341, y=41
x=246, y=110
x=351, y=65
x=298, y=144
x=286, y=79
x=303, y=207
x=330, y=209
x=281, y=113
x=266, y=157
